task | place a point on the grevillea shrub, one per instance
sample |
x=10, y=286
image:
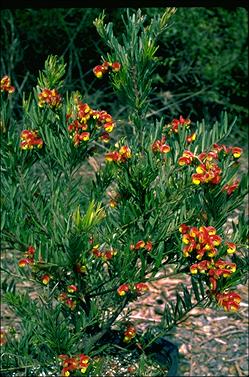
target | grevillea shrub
x=77, y=250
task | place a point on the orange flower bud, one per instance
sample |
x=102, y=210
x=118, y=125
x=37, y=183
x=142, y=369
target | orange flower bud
x=123, y=289
x=72, y=288
x=231, y=248
x=140, y=244
x=194, y=268
x=237, y=152
x=141, y=287
x=24, y=262
x=85, y=136
x=108, y=127
x=98, y=71
x=148, y=246
x=45, y=279
x=116, y=66
x=196, y=179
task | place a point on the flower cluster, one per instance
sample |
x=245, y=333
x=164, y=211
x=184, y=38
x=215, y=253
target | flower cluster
x=129, y=334
x=206, y=165
x=87, y=123
x=207, y=172
x=223, y=149
x=66, y=297
x=28, y=257
x=175, y=123
x=214, y=270
x=104, y=254
x=100, y=70
x=49, y=97
x=160, y=146
x=200, y=245
x=229, y=301
x=147, y=245
x=138, y=288
x=30, y=140
x=201, y=241
x=5, y=85
x=79, y=362
x=122, y=155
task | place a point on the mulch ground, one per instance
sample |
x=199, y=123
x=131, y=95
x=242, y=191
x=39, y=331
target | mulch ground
x=211, y=342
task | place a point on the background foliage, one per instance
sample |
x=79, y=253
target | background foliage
x=203, y=57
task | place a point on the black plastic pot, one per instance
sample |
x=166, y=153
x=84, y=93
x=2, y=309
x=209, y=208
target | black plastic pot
x=165, y=353
x=161, y=350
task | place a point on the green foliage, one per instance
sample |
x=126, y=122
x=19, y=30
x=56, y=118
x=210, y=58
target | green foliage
x=136, y=53
x=83, y=260
x=203, y=56
x=53, y=73
x=206, y=69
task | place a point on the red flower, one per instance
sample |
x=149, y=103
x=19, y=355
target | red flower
x=105, y=137
x=98, y=71
x=85, y=136
x=45, y=279
x=174, y=125
x=230, y=300
x=236, y=152
x=116, y=66
x=194, y=268
x=213, y=283
x=96, y=251
x=72, y=288
x=140, y=245
x=186, y=158
x=129, y=334
x=148, y=246
x=113, y=156
x=231, y=248
x=29, y=257
x=141, y=288
x=160, y=146
x=108, y=254
x=123, y=289
x=183, y=228
x=230, y=188
x=5, y=85
x=122, y=155
x=3, y=339
x=105, y=66
x=191, y=138
x=49, y=97
x=30, y=139
x=70, y=303
x=108, y=127
x=78, y=362
x=24, y=262
x=207, y=172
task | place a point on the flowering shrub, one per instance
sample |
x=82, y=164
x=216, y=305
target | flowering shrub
x=86, y=257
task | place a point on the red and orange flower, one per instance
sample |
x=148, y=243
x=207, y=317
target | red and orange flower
x=30, y=140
